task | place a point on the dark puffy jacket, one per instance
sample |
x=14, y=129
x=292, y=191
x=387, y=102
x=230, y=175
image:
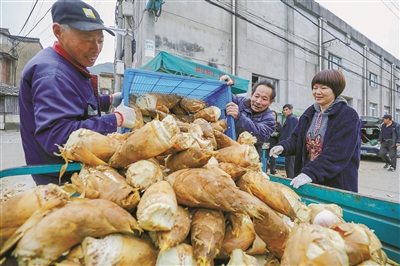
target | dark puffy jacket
x=288, y=127
x=55, y=100
x=337, y=165
x=395, y=133
x=261, y=125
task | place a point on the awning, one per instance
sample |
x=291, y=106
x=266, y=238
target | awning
x=172, y=64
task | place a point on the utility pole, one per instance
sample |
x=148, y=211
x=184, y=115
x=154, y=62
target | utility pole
x=124, y=44
x=128, y=14
x=118, y=50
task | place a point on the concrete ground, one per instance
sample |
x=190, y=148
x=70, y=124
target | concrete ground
x=374, y=181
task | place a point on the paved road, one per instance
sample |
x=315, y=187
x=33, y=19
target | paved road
x=374, y=181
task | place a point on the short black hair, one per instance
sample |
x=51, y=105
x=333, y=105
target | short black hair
x=267, y=83
x=288, y=105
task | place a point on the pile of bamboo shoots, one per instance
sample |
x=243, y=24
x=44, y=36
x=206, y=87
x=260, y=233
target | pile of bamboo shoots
x=175, y=191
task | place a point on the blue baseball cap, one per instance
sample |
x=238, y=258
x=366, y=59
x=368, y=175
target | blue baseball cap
x=387, y=116
x=78, y=15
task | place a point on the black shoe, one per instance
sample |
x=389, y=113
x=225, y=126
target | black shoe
x=391, y=169
x=273, y=173
x=386, y=165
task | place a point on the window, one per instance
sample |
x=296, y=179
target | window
x=373, y=79
x=372, y=109
x=255, y=78
x=386, y=110
x=334, y=62
x=397, y=115
x=398, y=90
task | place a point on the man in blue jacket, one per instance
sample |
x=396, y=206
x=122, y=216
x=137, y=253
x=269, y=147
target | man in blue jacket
x=287, y=129
x=57, y=93
x=253, y=115
x=389, y=139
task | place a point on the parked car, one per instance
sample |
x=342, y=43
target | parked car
x=370, y=134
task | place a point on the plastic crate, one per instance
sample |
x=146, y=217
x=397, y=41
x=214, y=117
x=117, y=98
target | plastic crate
x=213, y=92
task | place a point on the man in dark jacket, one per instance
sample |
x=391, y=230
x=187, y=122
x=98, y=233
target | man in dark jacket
x=389, y=139
x=287, y=129
x=253, y=115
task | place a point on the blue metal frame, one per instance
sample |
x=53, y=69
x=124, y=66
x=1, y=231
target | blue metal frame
x=38, y=169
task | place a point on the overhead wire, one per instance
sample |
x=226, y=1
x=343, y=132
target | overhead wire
x=227, y=7
x=21, y=39
x=395, y=5
x=390, y=9
x=27, y=19
x=333, y=35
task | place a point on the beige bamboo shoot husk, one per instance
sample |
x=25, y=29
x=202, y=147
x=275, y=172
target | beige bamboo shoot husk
x=242, y=155
x=207, y=234
x=118, y=249
x=234, y=170
x=18, y=209
x=245, y=138
x=316, y=208
x=258, y=247
x=360, y=241
x=200, y=187
x=223, y=140
x=190, y=158
x=181, y=254
x=205, y=143
x=65, y=227
x=158, y=208
x=143, y=173
x=192, y=105
x=139, y=122
x=206, y=128
x=220, y=125
x=178, y=110
x=311, y=244
x=168, y=239
x=147, y=142
x=239, y=234
x=239, y=257
x=87, y=146
x=266, y=191
x=180, y=142
x=104, y=182
x=211, y=114
x=293, y=198
x=157, y=101
x=271, y=229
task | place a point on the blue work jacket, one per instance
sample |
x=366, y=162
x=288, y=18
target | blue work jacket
x=55, y=99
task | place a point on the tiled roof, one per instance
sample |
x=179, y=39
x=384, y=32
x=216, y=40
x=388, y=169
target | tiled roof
x=8, y=90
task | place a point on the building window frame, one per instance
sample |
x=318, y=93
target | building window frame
x=334, y=62
x=373, y=107
x=373, y=79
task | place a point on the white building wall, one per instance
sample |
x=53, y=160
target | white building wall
x=283, y=46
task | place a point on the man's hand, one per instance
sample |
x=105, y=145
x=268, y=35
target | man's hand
x=275, y=151
x=227, y=79
x=300, y=180
x=126, y=116
x=232, y=109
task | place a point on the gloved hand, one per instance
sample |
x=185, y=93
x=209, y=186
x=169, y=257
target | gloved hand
x=275, y=151
x=116, y=99
x=127, y=114
x=300, y=180
x=227, y=79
